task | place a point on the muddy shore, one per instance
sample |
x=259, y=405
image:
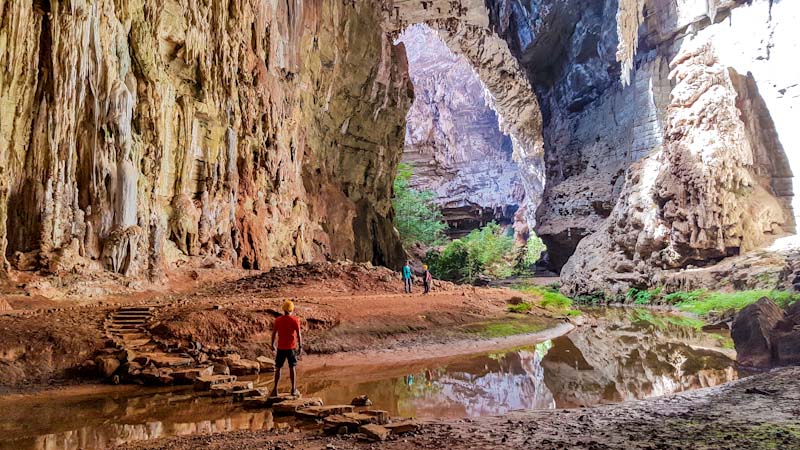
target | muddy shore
x=758, y=412
x=344, y=308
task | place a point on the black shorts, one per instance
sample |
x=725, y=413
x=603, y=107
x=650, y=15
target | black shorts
x=285, y=355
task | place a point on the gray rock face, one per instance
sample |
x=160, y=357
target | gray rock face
x=453, y=139
x=646, y=179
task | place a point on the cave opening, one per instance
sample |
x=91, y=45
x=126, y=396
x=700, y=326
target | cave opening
x=457, y=151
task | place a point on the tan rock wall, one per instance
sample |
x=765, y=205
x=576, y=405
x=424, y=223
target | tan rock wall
x=259, y=133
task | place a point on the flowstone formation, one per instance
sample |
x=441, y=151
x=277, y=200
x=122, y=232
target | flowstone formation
x=453, y=140
x=136, y=134
x=666, y=129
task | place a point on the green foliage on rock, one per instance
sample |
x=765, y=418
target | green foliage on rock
x=643, y=297
x=417, y=218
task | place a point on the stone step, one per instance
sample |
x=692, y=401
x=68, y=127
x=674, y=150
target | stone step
x=124, y=326
x=265, y=401
x=167, y=359
x=136, y=343
x=126, y=320
x=290, y=407
x=205, y=383
x=241, y=395
x=320, y=412
x=223, y=389
x=187, y=376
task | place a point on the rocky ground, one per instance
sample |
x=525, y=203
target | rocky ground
x=759, y=412
x=344, y=308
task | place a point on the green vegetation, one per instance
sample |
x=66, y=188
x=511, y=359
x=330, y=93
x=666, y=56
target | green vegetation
x=520, y=308
x=663, y=321
x=702, y=302
x=416, y=217
x=551, y=298
x=507, y=328
x=487, y=251
x=641, y=297
x=529, y=254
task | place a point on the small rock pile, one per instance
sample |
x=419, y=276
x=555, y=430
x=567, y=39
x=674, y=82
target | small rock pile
x=353, y=419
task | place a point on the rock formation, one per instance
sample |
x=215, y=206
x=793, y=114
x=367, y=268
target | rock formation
x=138, y=132
x=681, y=167
x=453, y=139
x=765, y=336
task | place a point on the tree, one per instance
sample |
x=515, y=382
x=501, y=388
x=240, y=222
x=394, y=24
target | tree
x=417, y=218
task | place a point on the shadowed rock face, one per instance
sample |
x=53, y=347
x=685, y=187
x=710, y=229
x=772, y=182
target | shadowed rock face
x=453, y=139
x=138, y=134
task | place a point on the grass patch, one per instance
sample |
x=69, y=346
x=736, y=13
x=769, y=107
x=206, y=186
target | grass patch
x=496, y=330
x=550, y=296
x=521, y=308
x=702, y=302
x=509, y=327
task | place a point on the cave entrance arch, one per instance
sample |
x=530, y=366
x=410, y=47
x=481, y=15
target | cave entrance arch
x=496, y=173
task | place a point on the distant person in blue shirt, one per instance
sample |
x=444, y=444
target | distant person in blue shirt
x=407, y=276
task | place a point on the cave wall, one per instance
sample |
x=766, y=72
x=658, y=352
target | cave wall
x=137, y=133
x=681, y=162
x=453, y=142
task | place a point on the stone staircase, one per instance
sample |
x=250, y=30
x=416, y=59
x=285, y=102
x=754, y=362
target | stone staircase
x=127, y=328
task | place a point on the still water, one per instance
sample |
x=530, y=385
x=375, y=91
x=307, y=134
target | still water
x=626, y=354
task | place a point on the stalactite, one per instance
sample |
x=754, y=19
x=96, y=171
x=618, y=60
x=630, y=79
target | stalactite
x=629, y=17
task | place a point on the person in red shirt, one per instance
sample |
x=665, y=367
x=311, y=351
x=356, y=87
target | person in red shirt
x=289, y=345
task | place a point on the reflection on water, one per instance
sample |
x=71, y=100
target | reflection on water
x=630, y=354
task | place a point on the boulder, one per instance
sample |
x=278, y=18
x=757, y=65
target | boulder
x=374, y=432
x=751, y=333
x=363, y=419
x=403, y=426
x=107, y=365
x=787, y=347
x=241, y=367
x=221, y=369
x=340, y=424
x=380, y=417
x=266, y=364
x=361, y=400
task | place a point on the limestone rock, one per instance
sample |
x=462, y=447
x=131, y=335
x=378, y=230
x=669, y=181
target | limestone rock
x=266, y=364
x=294, y=405
x=319, y=412
x=374, y=432
x=219, y=138
x=752, y=333
x=204, y=383
x=244, y=367
x=107, y=365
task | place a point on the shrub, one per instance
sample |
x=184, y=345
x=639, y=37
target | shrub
x=484, y=251
x=417, y=218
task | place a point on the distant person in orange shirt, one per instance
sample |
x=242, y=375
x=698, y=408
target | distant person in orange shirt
x=289, y=345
